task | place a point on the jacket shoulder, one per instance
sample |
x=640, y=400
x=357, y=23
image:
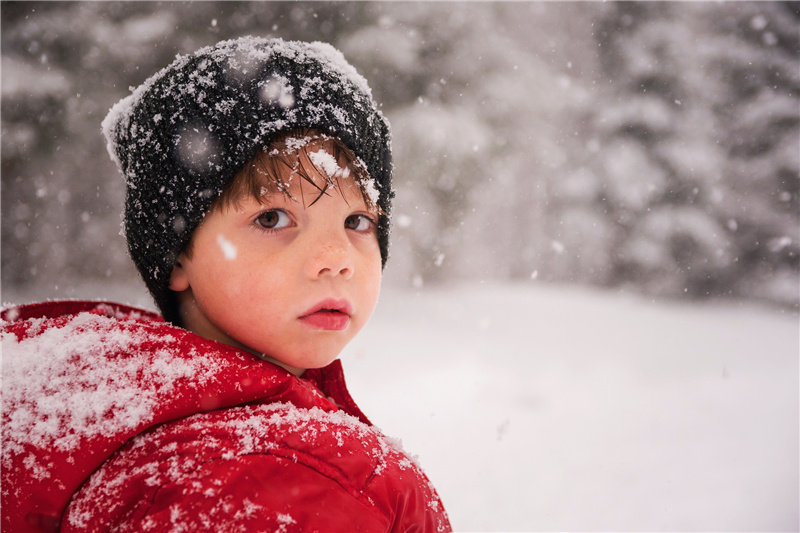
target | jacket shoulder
x=79, y=380
x=260, y=466
x=61, y=308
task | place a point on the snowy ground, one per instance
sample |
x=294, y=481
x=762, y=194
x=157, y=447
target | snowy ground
x=541, y=408
x=535, y=407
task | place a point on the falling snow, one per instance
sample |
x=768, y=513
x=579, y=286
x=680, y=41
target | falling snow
x=229, y=249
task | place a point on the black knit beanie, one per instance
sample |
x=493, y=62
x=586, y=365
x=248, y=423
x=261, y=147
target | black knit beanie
x=184, y=134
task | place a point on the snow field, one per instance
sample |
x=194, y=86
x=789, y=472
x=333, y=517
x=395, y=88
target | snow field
x=545, y=408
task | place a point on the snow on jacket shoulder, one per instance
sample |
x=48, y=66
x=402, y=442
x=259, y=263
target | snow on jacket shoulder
x=114, y=420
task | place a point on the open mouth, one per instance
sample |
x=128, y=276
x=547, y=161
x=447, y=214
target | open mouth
x=330, y=315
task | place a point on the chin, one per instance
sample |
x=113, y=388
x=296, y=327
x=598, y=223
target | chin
x=312, y=360
x=317, y=362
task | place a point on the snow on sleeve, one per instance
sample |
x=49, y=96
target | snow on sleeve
x=84, y=379
x=175, y=454
x=285, y=521
x=315, y=427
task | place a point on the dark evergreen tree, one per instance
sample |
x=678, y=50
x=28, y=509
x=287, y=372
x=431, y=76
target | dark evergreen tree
x=698, y=127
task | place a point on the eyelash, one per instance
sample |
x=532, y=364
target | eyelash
x=289, y=223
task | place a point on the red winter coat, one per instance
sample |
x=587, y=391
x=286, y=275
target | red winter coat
x=114, y=420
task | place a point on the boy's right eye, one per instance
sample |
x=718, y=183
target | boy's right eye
x=273, y=219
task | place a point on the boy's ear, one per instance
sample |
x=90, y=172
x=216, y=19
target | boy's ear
x=178, y=279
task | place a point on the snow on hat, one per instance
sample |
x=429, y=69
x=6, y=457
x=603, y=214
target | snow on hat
x=183, y=135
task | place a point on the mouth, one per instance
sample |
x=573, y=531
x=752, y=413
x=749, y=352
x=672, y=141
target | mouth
x=328, y=315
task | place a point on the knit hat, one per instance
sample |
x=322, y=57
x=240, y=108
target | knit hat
x=184, y=134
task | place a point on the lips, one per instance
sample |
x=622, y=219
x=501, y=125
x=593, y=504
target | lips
x=329, y=315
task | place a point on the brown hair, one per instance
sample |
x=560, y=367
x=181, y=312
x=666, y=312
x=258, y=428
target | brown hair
x=287, y=155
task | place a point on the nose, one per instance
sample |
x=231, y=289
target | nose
x=332, y=256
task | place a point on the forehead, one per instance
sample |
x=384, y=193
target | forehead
x=303, y=168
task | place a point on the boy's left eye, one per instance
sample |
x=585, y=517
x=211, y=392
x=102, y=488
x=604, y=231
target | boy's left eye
x=358, y=222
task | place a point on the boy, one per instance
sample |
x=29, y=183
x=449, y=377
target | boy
x=258, y=194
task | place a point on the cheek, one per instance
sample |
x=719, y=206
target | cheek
x=222, y=281
x=372, y=283
x=242, y=298
x=250, y=283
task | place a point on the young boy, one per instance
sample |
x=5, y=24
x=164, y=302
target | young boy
x=258, y=195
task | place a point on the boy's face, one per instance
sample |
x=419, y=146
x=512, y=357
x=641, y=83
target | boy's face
x=283, y=279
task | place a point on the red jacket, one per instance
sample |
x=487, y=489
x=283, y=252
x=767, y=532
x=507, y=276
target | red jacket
x=113, y=419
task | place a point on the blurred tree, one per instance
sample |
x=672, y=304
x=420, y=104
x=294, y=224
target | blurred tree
x=639, y=143
x=479, y=104
x=698, y=128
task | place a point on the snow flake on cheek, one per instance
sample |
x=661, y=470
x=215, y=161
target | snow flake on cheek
x=229, y=249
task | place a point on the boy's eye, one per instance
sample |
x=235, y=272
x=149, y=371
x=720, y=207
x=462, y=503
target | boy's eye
x=358, y=222
x=274, y=219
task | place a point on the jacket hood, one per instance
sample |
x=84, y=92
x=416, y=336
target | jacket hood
x=82, y=378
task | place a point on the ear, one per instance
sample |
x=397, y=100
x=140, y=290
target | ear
x=179, y=279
